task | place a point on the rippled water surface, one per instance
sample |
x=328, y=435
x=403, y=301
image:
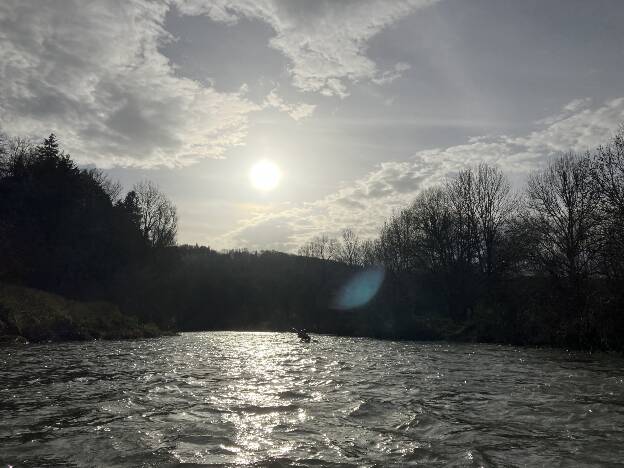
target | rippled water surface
x=266, y=399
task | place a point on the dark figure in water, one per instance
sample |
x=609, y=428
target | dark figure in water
x=303, y=336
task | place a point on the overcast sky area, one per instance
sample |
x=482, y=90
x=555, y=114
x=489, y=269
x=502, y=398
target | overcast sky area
x=361, y=103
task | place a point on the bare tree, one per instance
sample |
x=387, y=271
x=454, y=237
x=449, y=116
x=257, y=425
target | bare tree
x=349, y=249
x=4, y=155
x=13, y=151
x=306, y=250
x=453, y=229
x=112, y=188
x=461, y=199
x=397, y=247
x=435, y=230
x=482, y=206
x=323, y=247
x=158, y=217
x=494, y=206
x=608, y=175
x=369, y=252
x=565, y=218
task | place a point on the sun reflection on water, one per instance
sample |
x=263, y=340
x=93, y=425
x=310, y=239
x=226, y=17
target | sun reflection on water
x=261, y=385
x=233, y=399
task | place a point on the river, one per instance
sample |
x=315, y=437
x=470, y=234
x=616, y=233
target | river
x=266, y=399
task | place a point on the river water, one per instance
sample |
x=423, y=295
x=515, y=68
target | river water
x=265, y=399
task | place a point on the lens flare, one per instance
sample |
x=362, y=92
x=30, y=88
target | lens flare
x=360, y=289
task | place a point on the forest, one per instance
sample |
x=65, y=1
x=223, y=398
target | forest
x=469, y=259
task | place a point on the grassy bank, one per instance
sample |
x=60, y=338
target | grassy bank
x=32, y=315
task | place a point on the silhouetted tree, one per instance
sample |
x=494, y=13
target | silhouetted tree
x=461, y=199
x=63, y=228
x=565, y=217
x=349, y=249
x=608, y=175
x=112, y=188
x=158, y=217
x=397, y=249
x=435, y=232
x=465, y=260
x=322, y=247
x=494, y=207
x=369, y=252
x=130, y=205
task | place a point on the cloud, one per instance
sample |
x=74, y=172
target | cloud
x=93, y=74
x=363, y=204
x=272, y=233
x=578, y=128
x=296, y=111
x=392, y=75
x=325, y=41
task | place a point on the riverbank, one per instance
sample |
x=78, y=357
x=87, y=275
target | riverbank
x=31, y=315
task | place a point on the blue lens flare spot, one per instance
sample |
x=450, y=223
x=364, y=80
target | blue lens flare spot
x=360, y=289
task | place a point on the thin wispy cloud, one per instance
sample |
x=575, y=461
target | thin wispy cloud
x=364, y=204
x=296, y=111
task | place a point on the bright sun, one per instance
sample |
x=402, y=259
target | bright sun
x=265, y=175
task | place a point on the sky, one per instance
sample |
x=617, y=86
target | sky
x=360, y=104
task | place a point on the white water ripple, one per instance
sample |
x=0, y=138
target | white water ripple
x=265, y=399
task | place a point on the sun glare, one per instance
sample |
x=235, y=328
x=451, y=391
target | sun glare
x=265, y=175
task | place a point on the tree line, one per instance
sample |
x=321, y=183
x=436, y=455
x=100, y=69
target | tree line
x=545, y=265
x=469, y=259
x=70, y=230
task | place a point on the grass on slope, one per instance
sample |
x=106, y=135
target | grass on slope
x=41, y=316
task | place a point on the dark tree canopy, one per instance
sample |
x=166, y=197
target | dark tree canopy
x=466, y=260
x=61, y=228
